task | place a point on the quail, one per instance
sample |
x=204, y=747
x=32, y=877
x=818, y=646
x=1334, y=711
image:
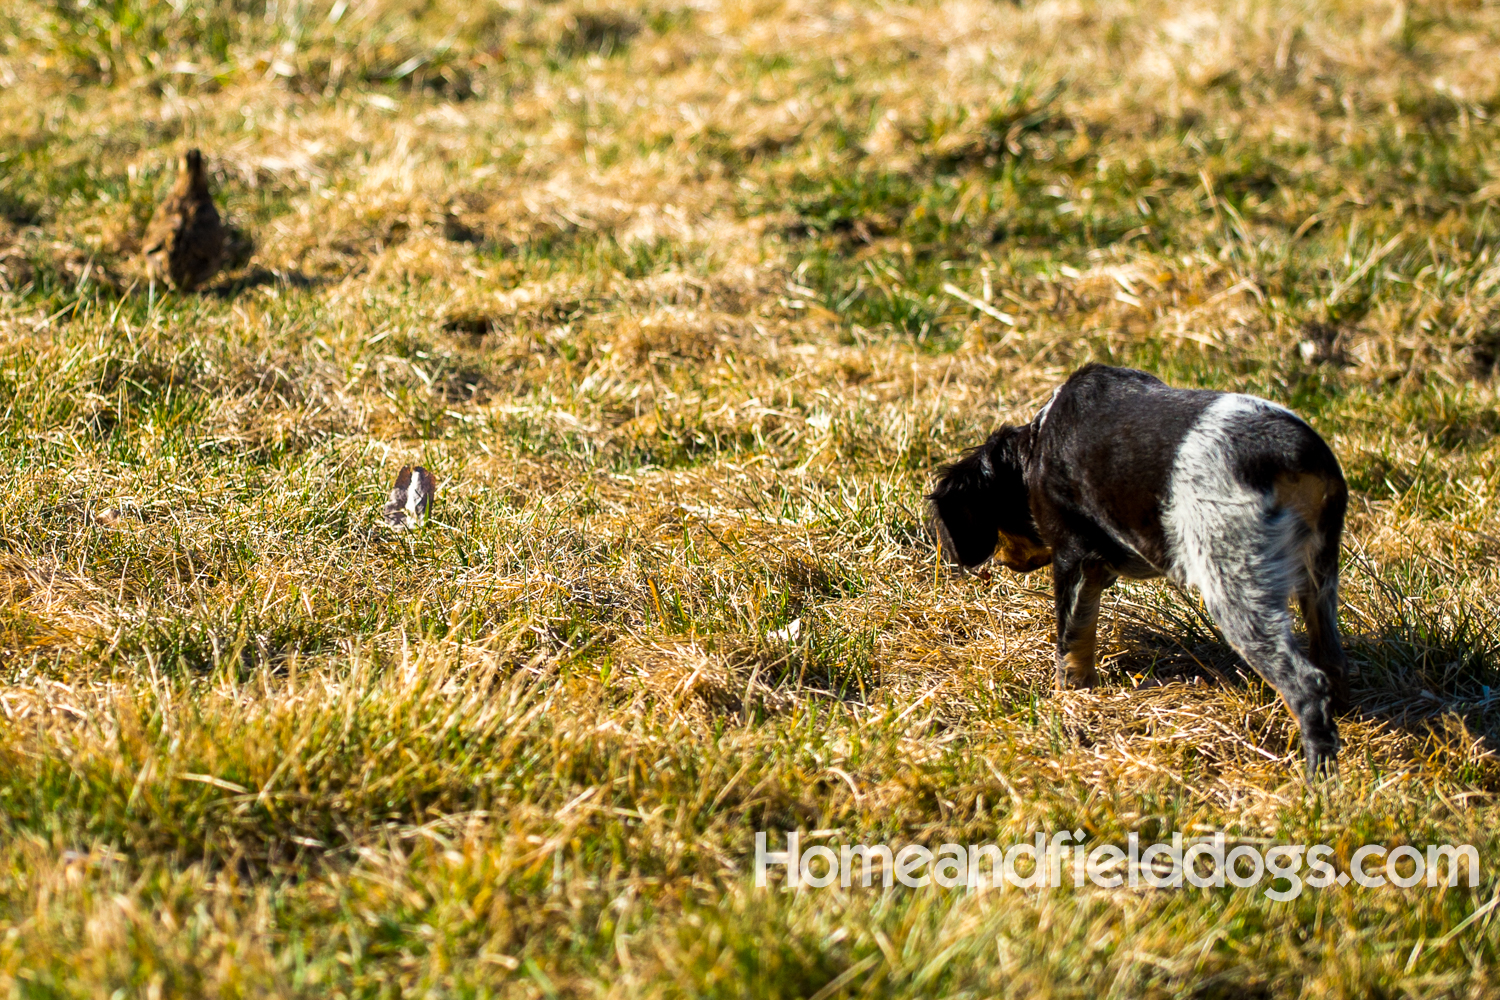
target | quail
x=184, y=243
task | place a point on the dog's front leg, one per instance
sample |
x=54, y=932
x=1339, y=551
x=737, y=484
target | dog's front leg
x=1076, y=587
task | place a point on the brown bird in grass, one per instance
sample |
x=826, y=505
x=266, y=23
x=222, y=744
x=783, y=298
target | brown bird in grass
x=410, y=498
x=184, y=243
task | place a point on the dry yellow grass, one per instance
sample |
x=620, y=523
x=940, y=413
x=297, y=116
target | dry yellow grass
x=664, y=295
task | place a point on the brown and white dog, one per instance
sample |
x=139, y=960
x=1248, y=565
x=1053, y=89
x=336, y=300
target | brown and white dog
x=1122, y=475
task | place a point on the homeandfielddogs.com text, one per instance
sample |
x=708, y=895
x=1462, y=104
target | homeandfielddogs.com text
x=1064, y=859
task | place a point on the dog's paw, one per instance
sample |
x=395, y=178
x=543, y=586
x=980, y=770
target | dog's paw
x=1322, y=760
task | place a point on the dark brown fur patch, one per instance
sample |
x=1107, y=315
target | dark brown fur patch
x=1303, y=492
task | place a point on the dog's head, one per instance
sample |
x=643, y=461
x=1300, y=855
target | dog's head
x=980, y=506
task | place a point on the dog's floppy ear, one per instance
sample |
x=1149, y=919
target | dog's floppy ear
x=975, y=496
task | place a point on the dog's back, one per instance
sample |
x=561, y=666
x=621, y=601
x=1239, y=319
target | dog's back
x=1120, y=450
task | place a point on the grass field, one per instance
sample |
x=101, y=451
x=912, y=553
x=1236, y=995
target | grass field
x=664, y=295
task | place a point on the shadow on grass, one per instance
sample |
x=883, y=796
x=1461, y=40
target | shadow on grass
x=1394, y=673
x=258, y=277
x=1420, y=651
x=1150, y=655
x=1431, y=677
x=1437, y=687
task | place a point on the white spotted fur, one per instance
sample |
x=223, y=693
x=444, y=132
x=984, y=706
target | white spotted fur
x=1220, y=533
x=1243, y=553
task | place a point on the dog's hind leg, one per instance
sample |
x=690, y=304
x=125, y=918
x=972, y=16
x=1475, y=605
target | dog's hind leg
x=1076, y=588
x=1318, y=598
x=1246, y=573
x=1260, y=630
x=1319, y=601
